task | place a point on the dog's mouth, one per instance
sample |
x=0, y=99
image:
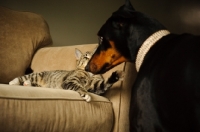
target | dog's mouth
x=99, y=64
x=105, y=58
x=94, y=68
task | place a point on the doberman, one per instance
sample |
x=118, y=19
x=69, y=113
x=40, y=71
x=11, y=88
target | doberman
x=166, y=93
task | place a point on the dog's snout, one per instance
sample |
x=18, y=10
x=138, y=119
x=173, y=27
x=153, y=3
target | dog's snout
x=87, y=68
x=91, y=68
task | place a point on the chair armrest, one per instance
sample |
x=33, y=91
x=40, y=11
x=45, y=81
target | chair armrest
x=31, y=109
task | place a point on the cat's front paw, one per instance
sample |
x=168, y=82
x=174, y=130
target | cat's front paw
x=117, y=75
x=14, y=82
x=120, y=74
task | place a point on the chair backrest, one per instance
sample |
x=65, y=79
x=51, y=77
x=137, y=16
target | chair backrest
x=21, y=34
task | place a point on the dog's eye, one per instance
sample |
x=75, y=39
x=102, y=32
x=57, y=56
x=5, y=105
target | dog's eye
x=100, y=40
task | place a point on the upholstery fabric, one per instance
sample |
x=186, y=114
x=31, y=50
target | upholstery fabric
x=34, y=109
x=21, y=34
x=53, y=58
x=30, y=109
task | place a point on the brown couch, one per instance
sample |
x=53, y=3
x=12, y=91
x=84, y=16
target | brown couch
x=23, y=40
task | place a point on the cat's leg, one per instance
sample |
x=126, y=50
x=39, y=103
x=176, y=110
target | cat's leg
x=14, y=82
x=17, y=81
x=68, y=85
x=99, y=85
x=27, y=83
x=116, y=76
x=23, y=80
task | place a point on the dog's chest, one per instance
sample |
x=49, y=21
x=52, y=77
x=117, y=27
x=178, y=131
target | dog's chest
x=147, y=118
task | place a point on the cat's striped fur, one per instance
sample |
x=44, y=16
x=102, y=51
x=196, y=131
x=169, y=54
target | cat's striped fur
x=78, y=80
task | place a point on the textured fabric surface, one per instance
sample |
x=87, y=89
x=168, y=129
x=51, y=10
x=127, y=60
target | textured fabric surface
x=25, y=109
x=29, y=109
x=21, y=34
x=53, y=58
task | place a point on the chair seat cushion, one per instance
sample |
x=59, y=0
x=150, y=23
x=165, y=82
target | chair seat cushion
x=26, y=109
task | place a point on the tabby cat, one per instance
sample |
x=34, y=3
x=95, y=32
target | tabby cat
x=78, y=80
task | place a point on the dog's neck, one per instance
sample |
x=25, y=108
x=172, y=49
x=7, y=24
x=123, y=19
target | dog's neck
x=148, y=43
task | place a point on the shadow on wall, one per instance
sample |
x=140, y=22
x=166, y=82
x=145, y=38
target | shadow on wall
x=71, y=21
x=78, y=21
x=178, y=16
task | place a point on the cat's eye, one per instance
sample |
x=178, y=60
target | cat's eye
x=87, y=55
x=100, y=40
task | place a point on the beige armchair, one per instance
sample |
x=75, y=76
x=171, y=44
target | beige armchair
x=35, y=109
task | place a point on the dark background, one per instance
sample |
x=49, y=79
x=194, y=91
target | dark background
x=77, y=21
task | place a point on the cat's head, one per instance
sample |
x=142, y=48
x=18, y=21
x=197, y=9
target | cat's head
x=82, y=58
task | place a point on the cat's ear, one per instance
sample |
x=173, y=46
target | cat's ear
x=78, y=53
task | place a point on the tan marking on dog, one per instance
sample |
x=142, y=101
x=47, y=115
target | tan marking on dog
x=111, y=56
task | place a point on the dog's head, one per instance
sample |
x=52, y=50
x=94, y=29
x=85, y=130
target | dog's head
x=119, y=39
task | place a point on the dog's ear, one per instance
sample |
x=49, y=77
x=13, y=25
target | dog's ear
x=125, y=11
x=129, y=6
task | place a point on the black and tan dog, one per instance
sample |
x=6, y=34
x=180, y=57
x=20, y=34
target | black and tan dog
x=166, y=93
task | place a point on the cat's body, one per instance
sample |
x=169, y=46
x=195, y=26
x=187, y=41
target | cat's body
x=78, y=80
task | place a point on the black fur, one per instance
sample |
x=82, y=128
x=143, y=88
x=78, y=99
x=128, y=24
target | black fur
x=166, y=93
x=126, y=29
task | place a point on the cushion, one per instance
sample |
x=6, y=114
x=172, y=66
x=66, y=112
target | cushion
x=63, y=58
x=21, y=34
x=58, y=58
x=30, y=109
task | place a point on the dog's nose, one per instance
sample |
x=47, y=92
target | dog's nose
x=91, y=68
x=87, y=68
